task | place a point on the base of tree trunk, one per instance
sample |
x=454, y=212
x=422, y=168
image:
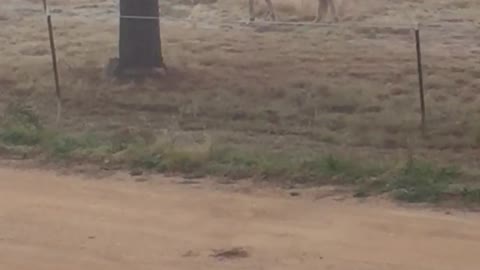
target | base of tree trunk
x=114, y=70
x=140, y=46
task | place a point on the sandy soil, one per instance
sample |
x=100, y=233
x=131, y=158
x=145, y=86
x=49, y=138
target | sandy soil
x=49, y=221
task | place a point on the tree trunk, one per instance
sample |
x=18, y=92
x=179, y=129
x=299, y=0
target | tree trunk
x=139, y=45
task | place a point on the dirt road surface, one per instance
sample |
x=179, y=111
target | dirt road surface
x=49, y=222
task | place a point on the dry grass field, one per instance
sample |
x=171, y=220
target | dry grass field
x=348, y=89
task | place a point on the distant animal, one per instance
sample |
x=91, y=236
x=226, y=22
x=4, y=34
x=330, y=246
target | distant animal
x=251, y=9
x=322, y=9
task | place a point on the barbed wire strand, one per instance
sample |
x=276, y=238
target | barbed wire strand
x=224, y=23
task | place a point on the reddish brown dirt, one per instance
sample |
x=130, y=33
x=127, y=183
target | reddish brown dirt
x=68, y=222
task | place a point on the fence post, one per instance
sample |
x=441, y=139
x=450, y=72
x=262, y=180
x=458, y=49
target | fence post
x=54, y=61
x=420, y=77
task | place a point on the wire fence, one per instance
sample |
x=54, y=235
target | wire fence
x=412, y=24
x=331, y=68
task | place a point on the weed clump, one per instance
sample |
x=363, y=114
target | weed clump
x=422, y=182
x=20, y=126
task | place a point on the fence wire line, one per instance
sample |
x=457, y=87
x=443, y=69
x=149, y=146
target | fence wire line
x=353, y=25
x=226, y=23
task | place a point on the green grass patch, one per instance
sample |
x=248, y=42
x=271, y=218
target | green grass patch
x=334, y=170
x=422, y=182
x=471, y=195
x=64, y=146
x=20, y=126
x=416, y=181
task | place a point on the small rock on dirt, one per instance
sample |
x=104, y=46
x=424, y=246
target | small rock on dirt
x=233, y=253
x=294, y=194
x=136, y=172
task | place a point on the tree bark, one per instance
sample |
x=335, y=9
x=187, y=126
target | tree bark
x=140, y=45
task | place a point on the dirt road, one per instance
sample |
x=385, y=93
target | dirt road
x=64, y=222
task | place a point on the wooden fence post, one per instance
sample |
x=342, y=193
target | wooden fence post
x=420, y=78
x=54, y=62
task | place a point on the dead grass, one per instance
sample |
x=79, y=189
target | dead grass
x=348, y=91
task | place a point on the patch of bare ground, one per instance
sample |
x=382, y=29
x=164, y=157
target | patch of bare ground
x=73, y=222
